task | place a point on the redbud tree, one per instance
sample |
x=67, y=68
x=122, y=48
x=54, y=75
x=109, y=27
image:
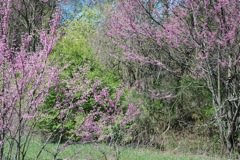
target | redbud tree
x=25, y=79
x=27, y=74
x=199, y=38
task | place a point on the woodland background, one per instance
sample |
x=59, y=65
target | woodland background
x=158, y=76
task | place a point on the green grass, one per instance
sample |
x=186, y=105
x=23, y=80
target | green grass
x=97, y=152
x=90, y=152
x=148, y=154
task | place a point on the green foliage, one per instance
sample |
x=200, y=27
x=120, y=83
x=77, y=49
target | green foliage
x=188, y=110
x=75, y=51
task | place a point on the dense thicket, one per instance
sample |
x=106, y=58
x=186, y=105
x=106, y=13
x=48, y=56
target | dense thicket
x=180, y=58
x=40, y=90
x=161, y=45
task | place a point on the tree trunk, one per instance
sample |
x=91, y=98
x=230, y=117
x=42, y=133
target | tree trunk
x=231, y=134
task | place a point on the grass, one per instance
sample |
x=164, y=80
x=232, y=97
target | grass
x=101, y=151
x=90, y=152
